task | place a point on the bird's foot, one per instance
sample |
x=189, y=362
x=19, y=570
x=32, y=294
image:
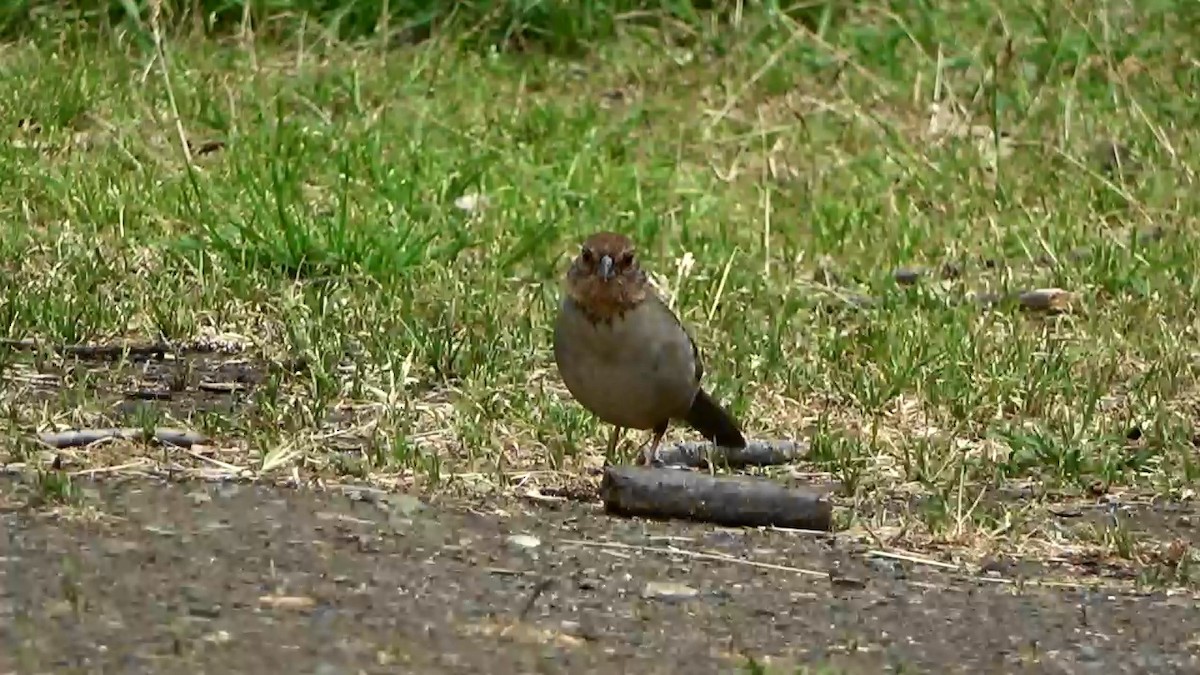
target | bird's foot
x=649, y=457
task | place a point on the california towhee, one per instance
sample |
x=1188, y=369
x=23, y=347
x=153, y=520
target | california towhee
x=624, y=355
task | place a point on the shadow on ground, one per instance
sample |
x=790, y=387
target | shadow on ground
x=203, y=577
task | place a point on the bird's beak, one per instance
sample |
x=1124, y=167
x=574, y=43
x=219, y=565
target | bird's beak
x=606, y=267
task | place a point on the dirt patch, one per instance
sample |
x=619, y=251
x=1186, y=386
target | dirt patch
x=201, y=577
x=181, y=387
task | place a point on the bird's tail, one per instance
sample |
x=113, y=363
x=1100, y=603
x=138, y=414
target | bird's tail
x=714, y=422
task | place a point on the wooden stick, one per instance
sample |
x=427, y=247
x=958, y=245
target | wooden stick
x=726, y=500
x=912, y=558
x=113, y=351
x=94, y=351
x=697, y=455
x=77, y=437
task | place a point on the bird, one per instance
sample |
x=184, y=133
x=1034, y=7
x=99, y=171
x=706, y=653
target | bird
x=625, y=356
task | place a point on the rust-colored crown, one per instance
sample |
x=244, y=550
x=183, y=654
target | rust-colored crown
x=614, y=244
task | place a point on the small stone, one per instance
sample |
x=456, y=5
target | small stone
x=666, y=590
x=1046, y=299
x=289, y=602
x=847, y=582
x=584, y=631
x=471, y=202
x=906, y=276
x=891, y=568
x=205, y=611
x=524, y=541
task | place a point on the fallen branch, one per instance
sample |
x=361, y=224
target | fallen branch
x=117, y=351
x=698, y=455
x=77, y=437
x=728, y=500
x=94, y=351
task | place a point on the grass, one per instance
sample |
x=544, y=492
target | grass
x=300, y=197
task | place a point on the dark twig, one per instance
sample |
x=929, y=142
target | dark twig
x=728, y=500
x=77, y=437
x=698, y=455
x=538, y=589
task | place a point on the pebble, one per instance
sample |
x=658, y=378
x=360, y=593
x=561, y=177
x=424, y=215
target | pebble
x=524, y=541
x=667, y=590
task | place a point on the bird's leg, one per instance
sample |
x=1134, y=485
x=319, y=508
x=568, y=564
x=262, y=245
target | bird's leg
x=610, y=452
x=650, y=455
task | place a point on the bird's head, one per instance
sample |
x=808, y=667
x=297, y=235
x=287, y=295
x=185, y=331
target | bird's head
x=605, y=277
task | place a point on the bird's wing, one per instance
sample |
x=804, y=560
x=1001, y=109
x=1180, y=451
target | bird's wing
x=662, y=308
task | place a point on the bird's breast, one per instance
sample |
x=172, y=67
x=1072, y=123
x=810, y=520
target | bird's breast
x=635, y=370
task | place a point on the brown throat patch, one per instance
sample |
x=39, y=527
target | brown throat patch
x=604, y=301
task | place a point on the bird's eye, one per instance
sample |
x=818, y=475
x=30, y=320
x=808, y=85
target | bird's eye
x=626, y=259
x=586, y=254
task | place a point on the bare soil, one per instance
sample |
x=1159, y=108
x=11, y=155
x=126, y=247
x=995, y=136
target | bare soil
x=153, y=577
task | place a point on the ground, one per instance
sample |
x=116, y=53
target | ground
x=219, y=577
x=948, y=248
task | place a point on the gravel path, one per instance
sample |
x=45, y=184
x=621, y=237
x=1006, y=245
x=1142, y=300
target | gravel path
x=207, y=578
